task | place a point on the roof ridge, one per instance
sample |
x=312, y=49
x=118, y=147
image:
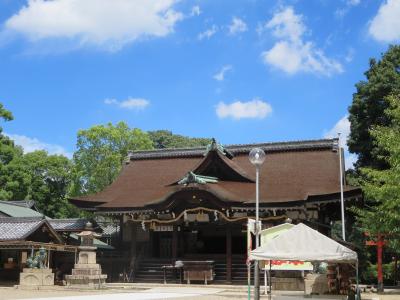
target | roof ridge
x=236, y=148
x=19, y=219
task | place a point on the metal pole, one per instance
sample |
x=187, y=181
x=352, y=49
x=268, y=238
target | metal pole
x=248, y=262
x=265, y=281
x=270, y=280
x=379, y=256
x=357, y=285
x=341, y=189
x=256, y=270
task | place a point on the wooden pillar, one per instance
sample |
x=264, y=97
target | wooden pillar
x=174, y=243
x=133, y=240
x=228, y=253
x=120, y=236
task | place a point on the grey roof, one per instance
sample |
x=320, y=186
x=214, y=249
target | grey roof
x=238, y=149
x=18, y=228
x=23, y=203
x=68, y=224
x=18, y=209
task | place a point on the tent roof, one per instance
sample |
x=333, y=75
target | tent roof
x=306, y=244
x=272, y=232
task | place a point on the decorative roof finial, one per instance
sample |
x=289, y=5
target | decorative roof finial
x=215, y=146
x=193, y=178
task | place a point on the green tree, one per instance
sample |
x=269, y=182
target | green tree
x=368, y=106
x=8, y=152
x=49, y=180
x=37, y=175
x=5, y=114
x=166, y=139
x=382, y=187
x=100, y=153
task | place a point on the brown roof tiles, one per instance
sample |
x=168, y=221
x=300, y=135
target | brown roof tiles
x=292, y=172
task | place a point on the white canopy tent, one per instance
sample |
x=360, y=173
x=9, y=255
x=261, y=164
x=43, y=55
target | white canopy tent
x=306, y=244
x=302, y=243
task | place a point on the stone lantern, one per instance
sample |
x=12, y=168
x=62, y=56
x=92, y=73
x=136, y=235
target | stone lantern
x=87, y=272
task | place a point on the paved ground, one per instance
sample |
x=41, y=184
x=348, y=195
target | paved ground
x=158, y=293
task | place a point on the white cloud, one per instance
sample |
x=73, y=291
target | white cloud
x=130, y=103
x=350, y=55
x=220, y=76
x=291, y=53
x=33, y=144
x=102, y=23
x=353, y=2
x=254, y=109
x=343, y=127
x=287, y=25
x=385, y=26
x=237, y=26
x=208, y=33
x=195, y=11
x=342, y=11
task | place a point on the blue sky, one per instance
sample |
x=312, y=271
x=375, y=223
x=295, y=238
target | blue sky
x=240, y=71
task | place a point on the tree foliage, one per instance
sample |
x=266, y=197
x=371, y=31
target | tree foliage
x=368, y=106
x=166, y=139
x=48, y=178
x=8, y=152
x=37, y=175
x=100, y=153
x=382, y=187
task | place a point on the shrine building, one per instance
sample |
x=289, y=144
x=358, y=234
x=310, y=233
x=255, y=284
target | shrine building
x=193, y=203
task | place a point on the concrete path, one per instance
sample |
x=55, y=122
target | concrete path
x=151, y=294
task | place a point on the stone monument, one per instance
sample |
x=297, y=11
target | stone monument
x=37, y=273
x=87, y=272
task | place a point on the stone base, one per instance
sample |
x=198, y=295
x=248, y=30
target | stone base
x=36, y=277
x=86, y=275
x=287, y=284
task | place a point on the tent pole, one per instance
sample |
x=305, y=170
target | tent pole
x=265, y=281
x=270, y=280
x=248, y=280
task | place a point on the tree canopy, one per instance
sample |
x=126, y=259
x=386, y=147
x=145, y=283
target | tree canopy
x=368, y=106
x=382, y=187
x=166, y=139
x=37, y=175
x=98, y=159
x=100, y=153
x=8, y=152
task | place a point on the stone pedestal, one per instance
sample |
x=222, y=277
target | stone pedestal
x=36, y=277
x=86, y=272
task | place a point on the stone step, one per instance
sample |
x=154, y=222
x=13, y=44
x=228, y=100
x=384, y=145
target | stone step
x=86, y=272
x=85, y=277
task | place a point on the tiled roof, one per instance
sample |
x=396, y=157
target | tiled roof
x=293, y=172
x=18, y=209
x=237, y=149
x=23, y=203
x=22, y=228
x=18, y=228
x=68, y=224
